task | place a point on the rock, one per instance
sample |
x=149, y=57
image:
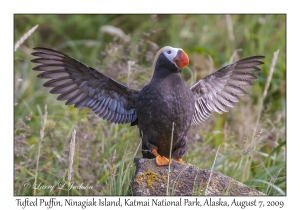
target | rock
x=184, y=179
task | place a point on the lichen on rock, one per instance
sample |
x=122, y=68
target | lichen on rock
x=184, y=179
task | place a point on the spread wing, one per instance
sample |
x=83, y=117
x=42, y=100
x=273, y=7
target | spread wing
x=222, y=88
x=86, y=87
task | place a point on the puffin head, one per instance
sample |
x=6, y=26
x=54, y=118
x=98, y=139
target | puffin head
x=170, y=58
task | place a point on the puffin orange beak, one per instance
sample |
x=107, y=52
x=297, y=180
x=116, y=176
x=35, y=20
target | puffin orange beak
x=181, y=59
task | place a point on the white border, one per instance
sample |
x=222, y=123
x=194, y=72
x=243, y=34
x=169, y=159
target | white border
x=154, y=6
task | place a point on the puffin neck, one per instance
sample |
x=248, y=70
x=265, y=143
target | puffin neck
x=163, y=73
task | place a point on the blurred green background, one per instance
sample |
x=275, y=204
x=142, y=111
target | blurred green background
x=250, y=152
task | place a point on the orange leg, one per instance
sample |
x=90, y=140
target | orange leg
x=160, y=160
x=179, y=160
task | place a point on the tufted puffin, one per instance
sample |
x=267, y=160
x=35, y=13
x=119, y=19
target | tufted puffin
x=165, y=107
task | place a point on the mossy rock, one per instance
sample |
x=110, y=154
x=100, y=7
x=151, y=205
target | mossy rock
x=184, y=179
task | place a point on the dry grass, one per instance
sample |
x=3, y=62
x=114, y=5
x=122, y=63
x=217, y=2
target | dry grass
x=212, y=170
x=71, y=157
x=24, y=37
x=42, y=135
x=170, y=158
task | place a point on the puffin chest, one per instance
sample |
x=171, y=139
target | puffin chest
x=166, y=100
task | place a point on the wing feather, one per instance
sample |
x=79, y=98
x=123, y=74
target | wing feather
x=84, y=86
x=221, y=89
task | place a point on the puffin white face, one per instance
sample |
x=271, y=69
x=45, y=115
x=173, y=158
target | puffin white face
x=170, y=53
x=176, y=56
x=173, y=55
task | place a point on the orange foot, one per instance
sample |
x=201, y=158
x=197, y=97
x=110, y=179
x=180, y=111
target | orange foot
x=162, y=161
x=179, y=160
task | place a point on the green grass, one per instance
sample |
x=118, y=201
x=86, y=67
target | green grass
x=104, y=152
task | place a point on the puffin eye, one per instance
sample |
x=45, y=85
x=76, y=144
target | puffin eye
x=169, y=51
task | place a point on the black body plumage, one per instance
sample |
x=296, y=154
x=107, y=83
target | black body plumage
x=164, y=101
